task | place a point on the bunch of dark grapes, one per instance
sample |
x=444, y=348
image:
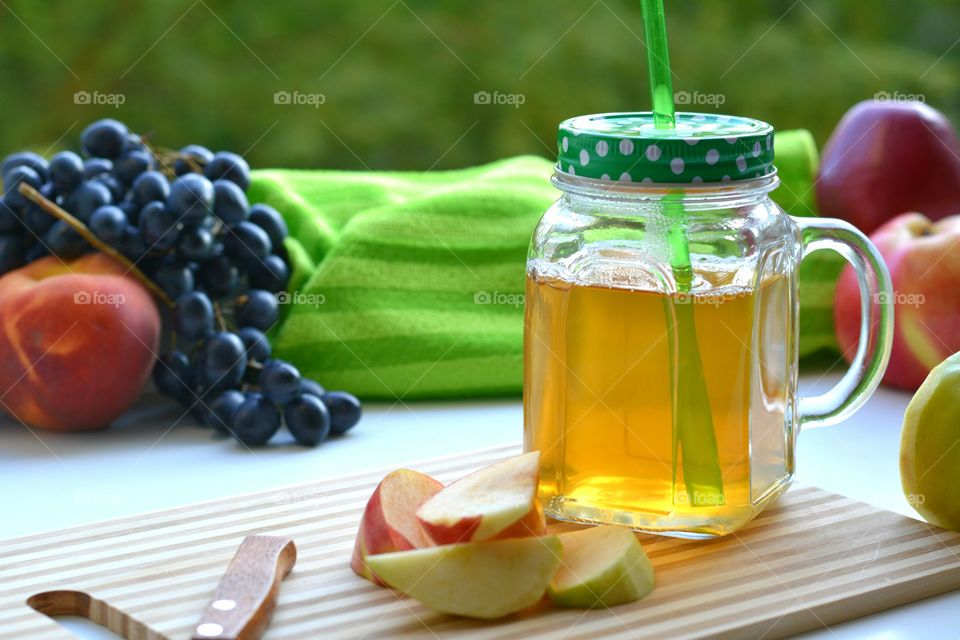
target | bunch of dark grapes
x=184, y=220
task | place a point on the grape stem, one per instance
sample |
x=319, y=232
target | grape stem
x=219, y=313
x=53, y=209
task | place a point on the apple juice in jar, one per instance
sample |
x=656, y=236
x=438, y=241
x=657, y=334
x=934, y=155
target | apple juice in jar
x=597, y=363
x=661, y=325
x=658, y=402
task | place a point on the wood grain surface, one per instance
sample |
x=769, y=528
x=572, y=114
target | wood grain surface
x=810, y=560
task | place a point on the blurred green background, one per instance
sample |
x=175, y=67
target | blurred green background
x=398, y=78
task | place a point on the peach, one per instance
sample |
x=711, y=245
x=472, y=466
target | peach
x=78, y=342
x=389, y=522
x=496, y=502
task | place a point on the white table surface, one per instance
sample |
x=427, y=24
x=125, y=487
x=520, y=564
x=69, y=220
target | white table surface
x=50, y=481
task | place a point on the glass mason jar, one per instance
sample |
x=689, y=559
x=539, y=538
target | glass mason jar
x=661, y=329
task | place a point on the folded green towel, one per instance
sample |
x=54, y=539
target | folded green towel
x=409, y=285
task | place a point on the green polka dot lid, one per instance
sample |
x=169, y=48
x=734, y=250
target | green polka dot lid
x=628, y=147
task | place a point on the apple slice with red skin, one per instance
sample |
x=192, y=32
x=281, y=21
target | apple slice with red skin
x=496, y=502
x=389, y=522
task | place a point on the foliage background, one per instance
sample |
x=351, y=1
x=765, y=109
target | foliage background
x=399, y=76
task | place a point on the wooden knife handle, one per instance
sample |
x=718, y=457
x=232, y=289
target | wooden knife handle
x=243, y=603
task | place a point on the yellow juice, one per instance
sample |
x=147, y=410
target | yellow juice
x=598, y=404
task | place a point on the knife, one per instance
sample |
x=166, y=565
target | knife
x=246, y=596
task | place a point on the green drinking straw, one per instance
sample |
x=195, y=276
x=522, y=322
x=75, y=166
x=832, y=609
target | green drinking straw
x=693, y=431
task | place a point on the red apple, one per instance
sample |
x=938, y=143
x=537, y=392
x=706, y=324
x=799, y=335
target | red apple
x=389, y=520
x=77, y=344
x=925, y=270
x=885, y=158
x=496, y=502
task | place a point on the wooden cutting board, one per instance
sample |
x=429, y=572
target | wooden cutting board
x=810, y=560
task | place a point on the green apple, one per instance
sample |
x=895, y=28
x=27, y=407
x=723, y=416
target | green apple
x=477, y=579
x=929, y=453
x=602, y=567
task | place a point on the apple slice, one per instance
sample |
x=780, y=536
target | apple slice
x=498, y=501
x=602, y=566
x=476, y=579
x=389, y=521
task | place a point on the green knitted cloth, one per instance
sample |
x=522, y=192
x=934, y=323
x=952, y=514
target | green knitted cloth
x=409, y=285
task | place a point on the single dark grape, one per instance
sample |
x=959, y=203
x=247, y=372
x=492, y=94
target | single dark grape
x=158, y=227
x=96, y=166
x=230, y=202
x=9, y=216
x=225, y=164
x=117, y=189
x=255, y=421
x=109, y=224
x=247, y=243
x=173, y=374
x=104, y=138
x=218, y=276
x=344, y=411
x=36, y=219
x=133, y=245
x=311, y=387
x=257, y=310
x=194, y=315
x=270, y=220
x=307, y=419
x=131, y=164
x=29, y=159
x=64, y=242
x=279, y=381
x=223, y=360
x=87, y=198
x=270, y=274
x=222, y=408
x=191, y=198
x=66, y=171
x=12, y=252
x=150, y=186
x=174, y=279
x=131, y=210
x=195, y=243
x=199, y=156
x=256, y=343
x=134, y=143
x=11, y=184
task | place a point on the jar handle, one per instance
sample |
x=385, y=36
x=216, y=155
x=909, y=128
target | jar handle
x=876, y=320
